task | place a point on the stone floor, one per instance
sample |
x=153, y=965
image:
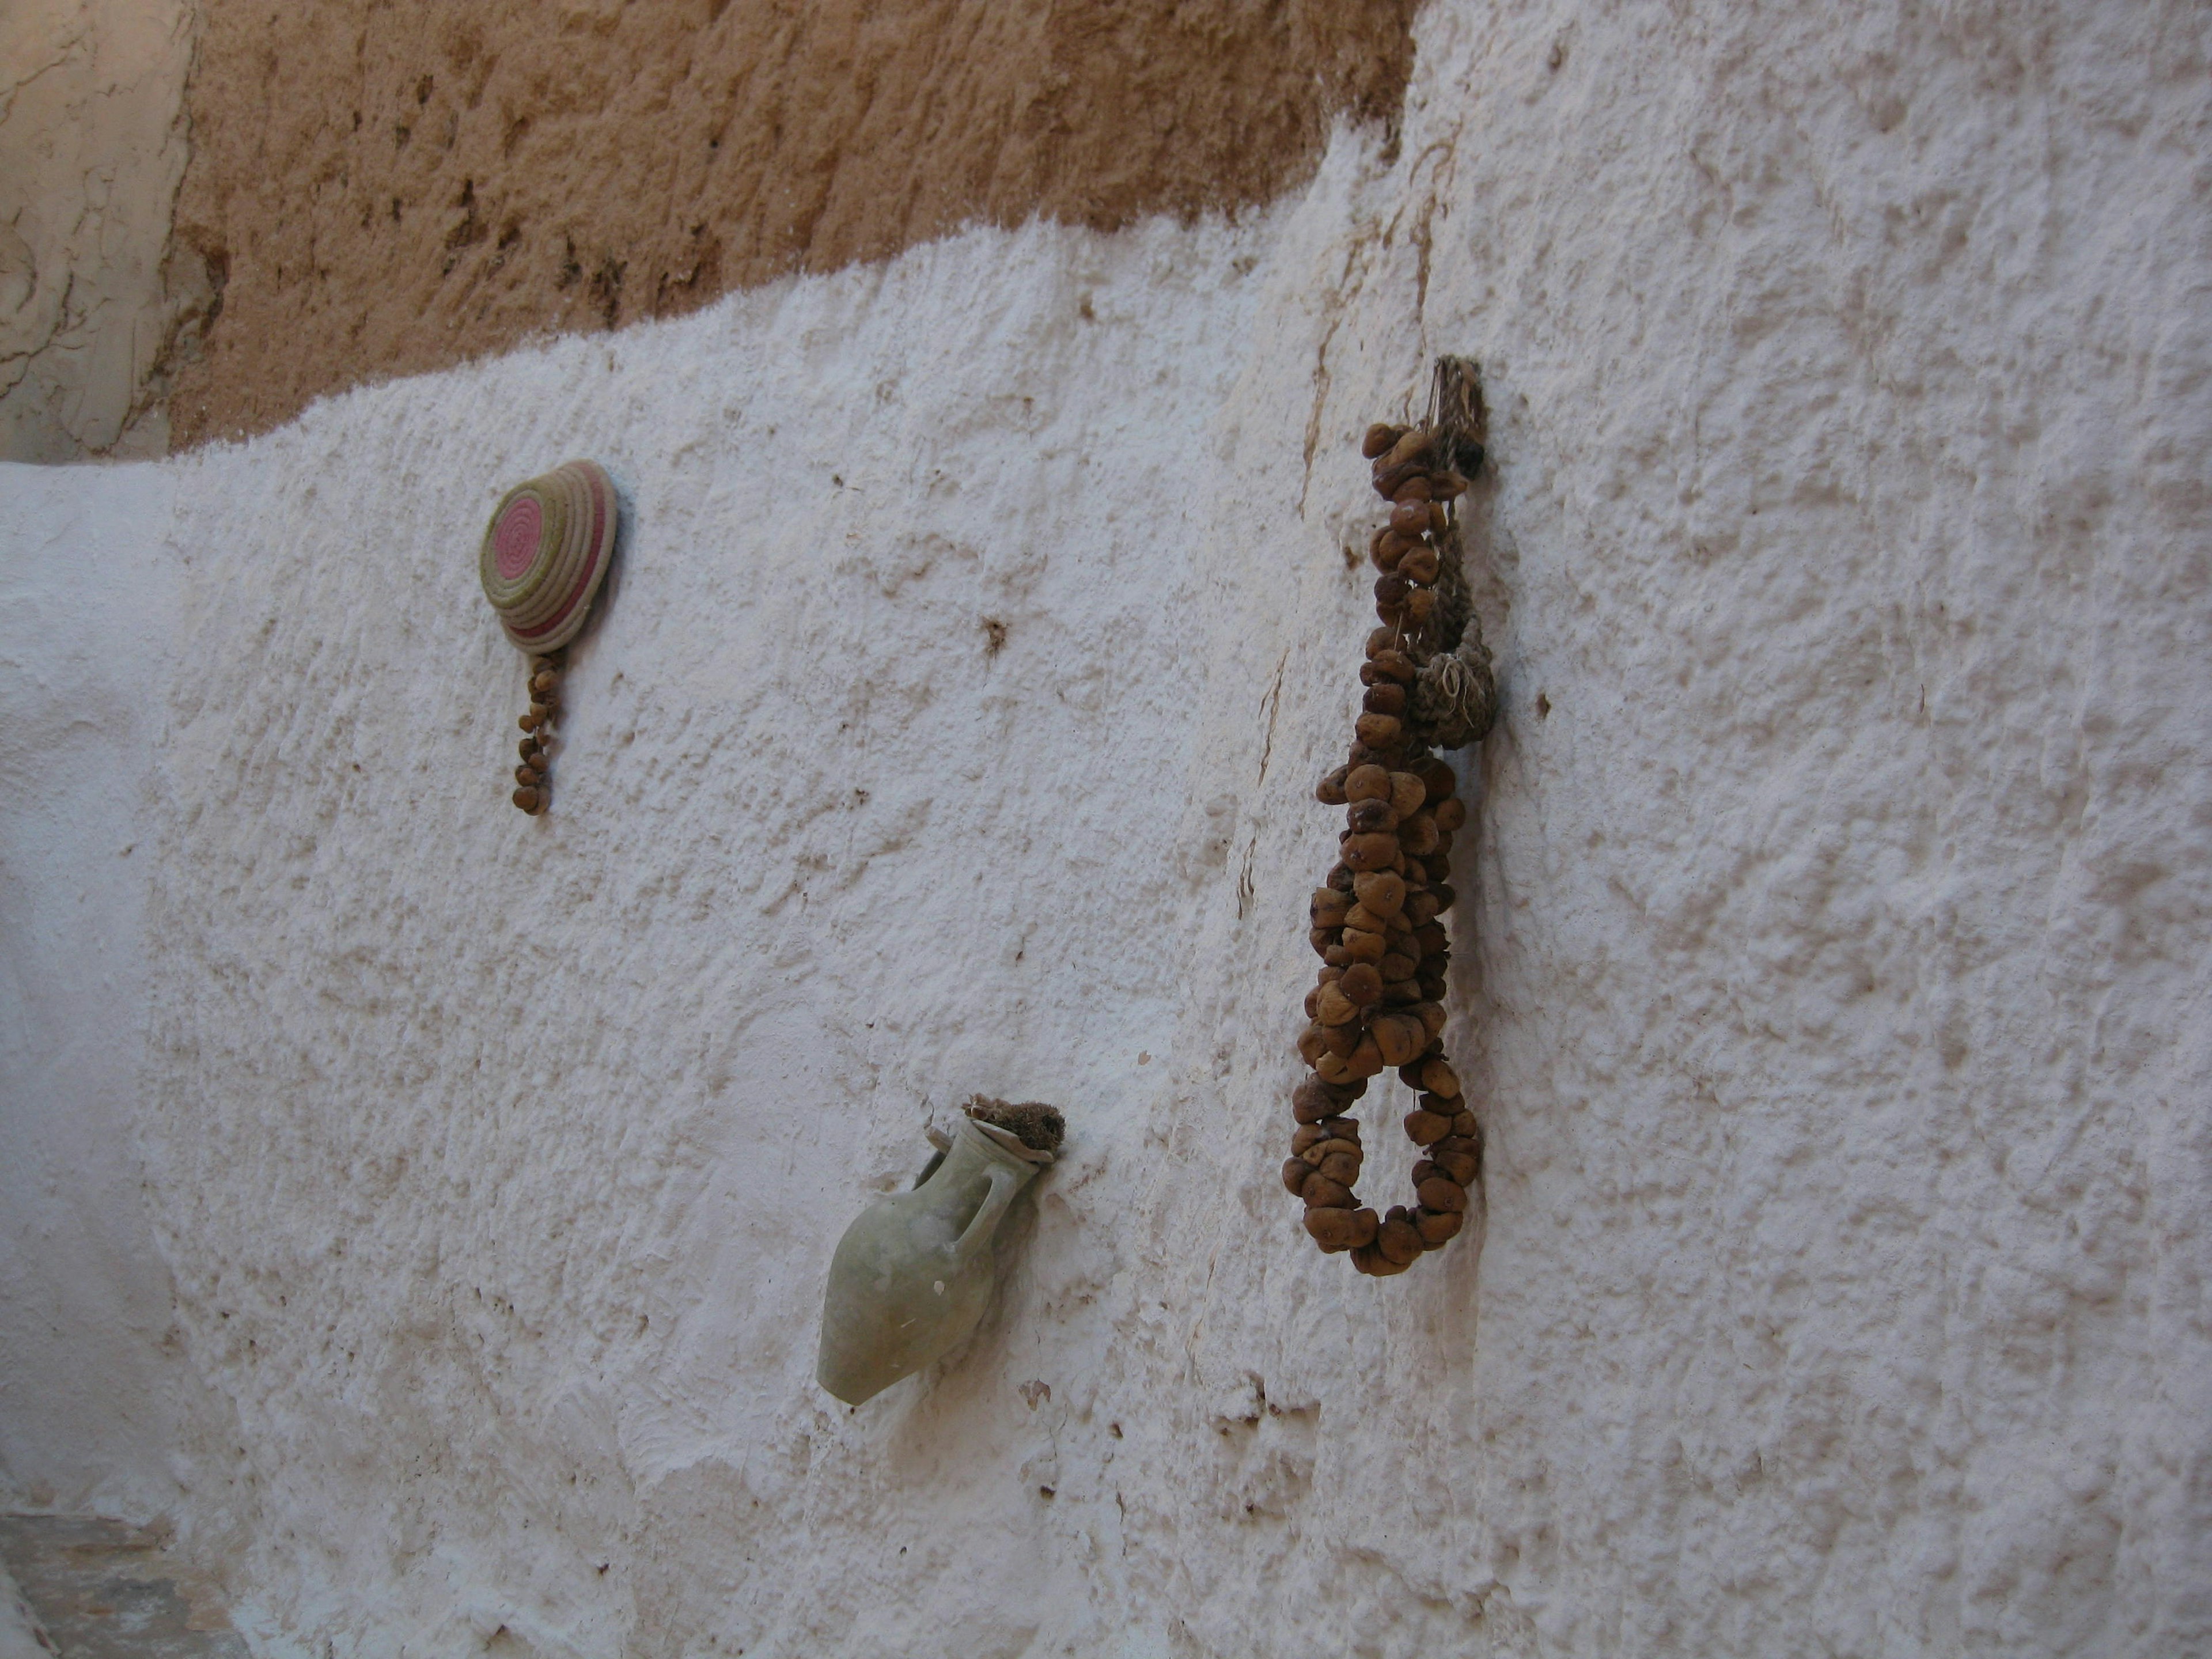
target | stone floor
x=105, y=1589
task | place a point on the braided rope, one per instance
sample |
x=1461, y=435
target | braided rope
x=1378, y=1001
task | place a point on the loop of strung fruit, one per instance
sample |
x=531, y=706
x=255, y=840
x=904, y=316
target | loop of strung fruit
x=1379, y=1000
x=533, y=779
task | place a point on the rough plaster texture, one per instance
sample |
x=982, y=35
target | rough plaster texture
x=105, y=1589
x=395, y=187
x=1832, y=970
x=92, y=147
x=92, y=1382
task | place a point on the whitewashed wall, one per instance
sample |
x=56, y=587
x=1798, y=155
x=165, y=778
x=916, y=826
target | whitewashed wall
x=1833, y=971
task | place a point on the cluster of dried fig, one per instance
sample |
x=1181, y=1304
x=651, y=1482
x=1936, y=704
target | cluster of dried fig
x=1375, y=925
x=533, y=779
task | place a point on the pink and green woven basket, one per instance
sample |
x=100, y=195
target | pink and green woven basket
x=546, y=552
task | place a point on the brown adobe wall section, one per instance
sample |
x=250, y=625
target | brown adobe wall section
x=387, y=186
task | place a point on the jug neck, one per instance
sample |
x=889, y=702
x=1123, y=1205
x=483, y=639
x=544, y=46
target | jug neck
x=975, y=1154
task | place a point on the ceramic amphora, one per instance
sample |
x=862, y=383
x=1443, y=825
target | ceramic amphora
x=914, y=1271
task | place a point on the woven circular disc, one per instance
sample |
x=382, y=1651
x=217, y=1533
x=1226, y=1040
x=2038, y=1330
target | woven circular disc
x=546, y=552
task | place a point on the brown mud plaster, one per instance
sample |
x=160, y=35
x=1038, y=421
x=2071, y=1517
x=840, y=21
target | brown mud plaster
x=389, y=188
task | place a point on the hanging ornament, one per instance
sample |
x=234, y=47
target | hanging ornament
x=1377, y=924
x=545, y=554
x=916, y=1270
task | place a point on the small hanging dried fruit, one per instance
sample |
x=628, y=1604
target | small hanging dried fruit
x=1370, y=1260
x=1361, y=920
x=1366, y=817
x=1332, y=1007
x=1313, y=1101
x=1321, y=1193
x=1413, y=443
x=1362, y=984
x=1340, y=1166
x=1361, y=948
x=1397, y=1241
x=1438, y=1078
x=1382, y=892
x=1461, y=1166
x=1371, y=852
x=1425, y=1129
x=1341, y=1230
x=1369, y=783
x=1379, y=438
x=1440, y=1193
x=1398, y=1037
x=1438, y=1227
x=1379, y=731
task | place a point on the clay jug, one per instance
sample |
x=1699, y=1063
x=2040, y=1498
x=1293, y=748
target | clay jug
x=916, y=1270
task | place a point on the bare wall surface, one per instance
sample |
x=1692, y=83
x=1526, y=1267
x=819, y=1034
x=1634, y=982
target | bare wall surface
x=93, y=1380
x=92, y=147
x=1830, y=971
x=393, y=188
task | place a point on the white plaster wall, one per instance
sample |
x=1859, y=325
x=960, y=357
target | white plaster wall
x=1832, y=973
x=93, y=1385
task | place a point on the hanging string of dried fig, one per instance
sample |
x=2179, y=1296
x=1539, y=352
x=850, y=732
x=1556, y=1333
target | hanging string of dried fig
x=533, y=779
x=1379, y=1000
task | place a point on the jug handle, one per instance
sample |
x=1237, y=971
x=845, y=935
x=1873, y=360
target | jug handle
x=978, y=1235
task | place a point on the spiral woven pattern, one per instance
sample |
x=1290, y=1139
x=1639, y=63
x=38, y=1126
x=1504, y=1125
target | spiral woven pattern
x=546, y=552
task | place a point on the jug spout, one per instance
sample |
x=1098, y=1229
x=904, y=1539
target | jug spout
x=914, y=1273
